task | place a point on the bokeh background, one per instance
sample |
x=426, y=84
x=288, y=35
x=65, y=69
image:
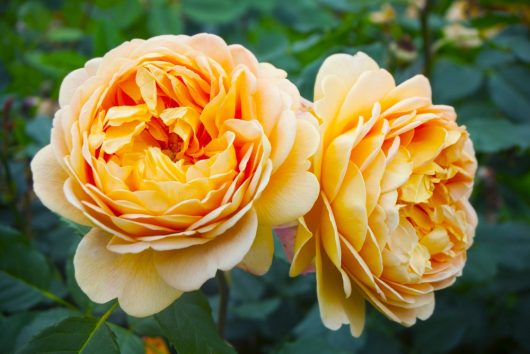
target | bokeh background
x=477, y=56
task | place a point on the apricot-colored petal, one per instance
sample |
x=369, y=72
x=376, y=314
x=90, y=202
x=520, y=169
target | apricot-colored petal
x=371, y=87
x=349, y=208
x=303, y=250
x=104, y=275
x=354, y=307
x=75, y=79
x=48, y=182
x=187, y=269
x=336, y=159
x=214, y=47
x=344, y=66
x=292, y=190
x=329, y=292
x=259, y=258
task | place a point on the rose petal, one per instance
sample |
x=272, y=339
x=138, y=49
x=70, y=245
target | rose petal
x=104, y=275
x=259, y=258
x=189, y=268
x=48, y=181
x=292, y=190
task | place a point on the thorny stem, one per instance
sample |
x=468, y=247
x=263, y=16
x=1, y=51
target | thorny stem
x=426, y=37
x=224, y=293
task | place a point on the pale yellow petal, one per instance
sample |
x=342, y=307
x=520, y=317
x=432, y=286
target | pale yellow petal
x=132, y=278
x=304, y=250
x=48, y=183
x=329, y=292
x=292, y=190
x=188, y=269
x=259, y=258
x=70, y=84
x=344, y=66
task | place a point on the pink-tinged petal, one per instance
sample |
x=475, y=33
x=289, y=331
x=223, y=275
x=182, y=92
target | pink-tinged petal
x=48, y=183
x=188, y=269
x=287, y=235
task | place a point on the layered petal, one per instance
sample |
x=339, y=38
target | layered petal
x=393, y=222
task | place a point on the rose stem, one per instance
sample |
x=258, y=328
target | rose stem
x=224, y=293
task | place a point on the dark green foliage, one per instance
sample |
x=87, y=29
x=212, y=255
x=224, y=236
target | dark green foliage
x=74, y=335
x=189, y=326
x=486, y=311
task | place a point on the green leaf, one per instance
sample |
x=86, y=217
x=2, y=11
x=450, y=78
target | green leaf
x=258, y=310
x=145, y=326
x=217, y=11
x=106, y=36
x=445, y=329
x=245, y=286
x=24, y=273
x=511, y=241
x=39, y=129
x=310, y=345
x=516, y=40
x=74, y=335
x=124, y=13
x=55, y=64
x=509, y=90
x=65, y=34
x=453, y=81
x=11, y=327
x=41, y=321
x=127, y=341
x=489, y=57
x=189, y=326
x=492, y=135
x=165, y=17
x=311, y=333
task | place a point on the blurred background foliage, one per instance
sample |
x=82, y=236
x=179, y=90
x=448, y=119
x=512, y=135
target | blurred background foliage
x=477, y=55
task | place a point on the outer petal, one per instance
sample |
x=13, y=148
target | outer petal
x=189, y=268
x=48, y=181
x=75, y=79
x=347, y=67
x=329, y=291
x=292, y=190
x=104, y=275
x=259, y=259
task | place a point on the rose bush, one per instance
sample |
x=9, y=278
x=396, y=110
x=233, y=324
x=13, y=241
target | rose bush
x=181, y=153
x=392, y=222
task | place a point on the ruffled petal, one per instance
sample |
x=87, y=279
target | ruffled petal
x=188, y=269
x=132, y=278
x=48, y=182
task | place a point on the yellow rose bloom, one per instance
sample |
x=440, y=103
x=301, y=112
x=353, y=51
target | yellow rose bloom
x=181, y=153
x=393, y=222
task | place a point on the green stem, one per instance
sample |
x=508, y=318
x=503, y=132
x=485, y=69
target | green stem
x=58, y=300
x=224, y=293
